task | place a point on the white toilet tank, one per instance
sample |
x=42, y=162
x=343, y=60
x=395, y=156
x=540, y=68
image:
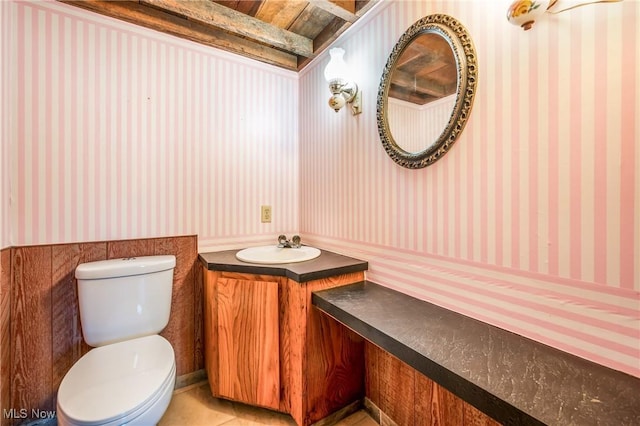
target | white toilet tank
x=121, y=299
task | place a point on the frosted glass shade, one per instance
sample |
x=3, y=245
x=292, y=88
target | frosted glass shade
x=336, y=68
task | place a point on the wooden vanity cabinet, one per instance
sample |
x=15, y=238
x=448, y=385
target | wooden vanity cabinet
x=265, y=345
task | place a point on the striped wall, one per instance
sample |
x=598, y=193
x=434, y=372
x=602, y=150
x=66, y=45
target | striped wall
x=531, y=222
x=416, y=127
x=6, y=118
x=122, y=132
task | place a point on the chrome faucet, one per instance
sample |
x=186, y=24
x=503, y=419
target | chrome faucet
x=284, y=243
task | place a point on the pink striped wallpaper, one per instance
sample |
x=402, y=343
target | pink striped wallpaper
x=531, y=222
x=416, y=127
x=121, y=132
x=6, y=117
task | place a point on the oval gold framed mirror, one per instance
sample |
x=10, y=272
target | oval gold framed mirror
x=426, y=91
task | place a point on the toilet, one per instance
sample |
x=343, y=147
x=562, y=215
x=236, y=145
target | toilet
x=129, y=375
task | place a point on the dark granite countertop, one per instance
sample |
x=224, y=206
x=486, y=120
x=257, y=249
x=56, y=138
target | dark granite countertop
x=513, y=379
x=326, y=265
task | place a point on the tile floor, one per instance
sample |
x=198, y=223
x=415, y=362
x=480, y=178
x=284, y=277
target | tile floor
x=194, y=406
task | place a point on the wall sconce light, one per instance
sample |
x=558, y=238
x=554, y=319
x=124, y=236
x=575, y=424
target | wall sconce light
x=343, y=89
x=524, y=13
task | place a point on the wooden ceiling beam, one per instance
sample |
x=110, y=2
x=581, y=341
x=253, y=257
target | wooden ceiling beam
x=233, y=26
x=248, y=7
x=403, y=94
x=344, y=10
x=325, y=38
x=133, y=12
x=363, y=6
x=422, y=85
x=272, y=12
x=234, y=22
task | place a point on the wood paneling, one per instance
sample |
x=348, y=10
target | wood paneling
x=474, y=417
x=410, y=398
x=434, y=403
x=31, y=340
x=181, y=330
x=40, y=332
x=371, y=373
x=66, y=329
x=130, y=248
x=397, y=389
x=5, y=332
x=248, y=335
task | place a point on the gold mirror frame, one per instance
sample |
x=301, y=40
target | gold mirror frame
x=464, y=53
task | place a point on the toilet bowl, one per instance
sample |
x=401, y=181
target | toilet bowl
x=129, y=382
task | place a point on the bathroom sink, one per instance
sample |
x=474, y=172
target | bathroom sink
x=271, y=255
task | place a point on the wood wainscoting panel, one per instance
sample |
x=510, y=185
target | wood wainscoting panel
x=130, y=248
x=68, y=344
x=180, y=330
x=31, y=340
x=473, y=417
x=397, y=388
x=372, y=373
x=248, y=335
x=409, y=398
x=434, y=403
x=5, y=333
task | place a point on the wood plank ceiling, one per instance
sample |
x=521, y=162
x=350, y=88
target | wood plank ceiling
x=285, y=33
x=426, y=71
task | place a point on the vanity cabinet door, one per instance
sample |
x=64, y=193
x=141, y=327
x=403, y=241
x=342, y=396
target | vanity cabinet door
x=248, y=339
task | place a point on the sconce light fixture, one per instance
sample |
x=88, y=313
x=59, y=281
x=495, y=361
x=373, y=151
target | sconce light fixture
x=524, y=13
x=342, y=88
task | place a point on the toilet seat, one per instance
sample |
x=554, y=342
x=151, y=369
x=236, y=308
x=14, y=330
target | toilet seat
x=116, y=383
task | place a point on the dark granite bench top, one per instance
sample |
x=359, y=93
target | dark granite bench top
x=511, y=378
x=326, y=265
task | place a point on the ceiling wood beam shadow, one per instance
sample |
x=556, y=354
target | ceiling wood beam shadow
x=222, y=17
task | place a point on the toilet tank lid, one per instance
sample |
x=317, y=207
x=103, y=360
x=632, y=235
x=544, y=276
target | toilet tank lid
x=124, y=267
